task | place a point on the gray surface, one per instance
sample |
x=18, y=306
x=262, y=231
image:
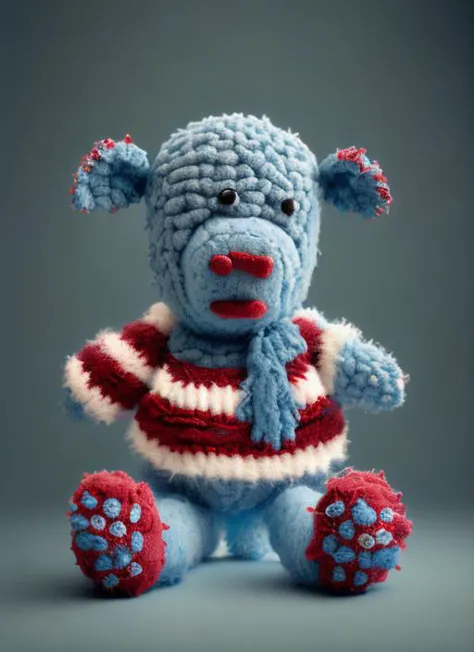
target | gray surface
x=395, y=77
x=227, y=605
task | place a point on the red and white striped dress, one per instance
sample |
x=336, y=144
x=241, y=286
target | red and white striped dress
x=185, y=420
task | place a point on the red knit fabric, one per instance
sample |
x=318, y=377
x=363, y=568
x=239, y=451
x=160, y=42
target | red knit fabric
x=195, y=431
x=187, y=373
x=348, y=487
x=119, y=485
x=107, y=374
x=147, y=340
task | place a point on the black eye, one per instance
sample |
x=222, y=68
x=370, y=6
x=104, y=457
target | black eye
x=228, y=197
x=288, y=206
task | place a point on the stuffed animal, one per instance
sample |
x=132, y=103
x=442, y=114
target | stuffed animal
x=238, y=389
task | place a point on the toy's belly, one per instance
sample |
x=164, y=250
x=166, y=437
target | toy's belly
x=187, y=426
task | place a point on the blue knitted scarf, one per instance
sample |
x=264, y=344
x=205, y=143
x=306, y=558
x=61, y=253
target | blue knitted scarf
x=268, y=402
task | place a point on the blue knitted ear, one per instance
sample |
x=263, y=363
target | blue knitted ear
x=112, y=175
x=352, y=182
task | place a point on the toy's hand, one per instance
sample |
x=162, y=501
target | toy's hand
x=369, y=378
x=73, y=408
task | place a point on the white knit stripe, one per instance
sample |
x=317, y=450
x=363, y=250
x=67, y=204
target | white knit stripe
x=333, y=338
x=307, y=390
x=125, y=355
x=311, y=314
x=311, y=460
x=99, y=407
x=161, y=317
x=217, y=400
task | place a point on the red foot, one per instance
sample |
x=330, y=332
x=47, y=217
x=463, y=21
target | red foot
x=117, y=532
x=360, y=527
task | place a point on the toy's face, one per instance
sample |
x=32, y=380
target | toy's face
x=233, y=220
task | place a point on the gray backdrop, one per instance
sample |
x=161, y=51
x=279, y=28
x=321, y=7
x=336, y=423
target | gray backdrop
x=394, y=77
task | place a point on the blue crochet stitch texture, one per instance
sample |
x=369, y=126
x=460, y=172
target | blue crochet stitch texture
x=112, y=176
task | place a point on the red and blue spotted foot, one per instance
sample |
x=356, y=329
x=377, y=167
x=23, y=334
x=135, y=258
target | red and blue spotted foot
x=360, y=528
x=117, y=532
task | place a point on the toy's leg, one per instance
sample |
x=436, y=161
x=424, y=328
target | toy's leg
x=347, y=539
x=247, y=535
x=122, y=543
x=193, y=535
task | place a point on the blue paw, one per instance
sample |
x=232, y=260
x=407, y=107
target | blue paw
x=363, y=514
x=112, y=507
x=369, y=378
x=73, y=408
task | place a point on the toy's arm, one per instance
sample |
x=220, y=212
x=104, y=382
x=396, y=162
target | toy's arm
x=113, y=371
x=354, y=372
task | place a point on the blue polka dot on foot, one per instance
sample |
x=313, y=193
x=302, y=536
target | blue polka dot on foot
x=78, y=522
x=122, y=557
x=363, y=514
x=338, y=574
x=383, y=537
x=360, y=578
x=137, y=541
x=344, y=555
x=386, y=515
x=110, y=581
x=135, y=569
x=72, y=507
x=112, y=507
x=347, y=530
x=366, y=541
x=135, y=513
x=330, y=543
x=335, y=509
x=98, y=522
x=87, y=541
x=118, y=529
x=103, y=563
x=88, y=501
x=386, y=558
x=365, y=559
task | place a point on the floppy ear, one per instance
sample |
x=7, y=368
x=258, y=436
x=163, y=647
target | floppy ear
x=112, y=175
x=352, y=182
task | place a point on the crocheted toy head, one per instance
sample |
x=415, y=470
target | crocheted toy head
x=233, y=214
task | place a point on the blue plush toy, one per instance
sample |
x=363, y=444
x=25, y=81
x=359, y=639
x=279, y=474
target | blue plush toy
x=238, y=389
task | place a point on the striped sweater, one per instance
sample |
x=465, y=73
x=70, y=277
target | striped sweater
x=185, y=419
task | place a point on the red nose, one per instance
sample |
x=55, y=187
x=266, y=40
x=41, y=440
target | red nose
x=260, y=266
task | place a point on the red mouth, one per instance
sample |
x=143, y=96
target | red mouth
x=239, y=309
